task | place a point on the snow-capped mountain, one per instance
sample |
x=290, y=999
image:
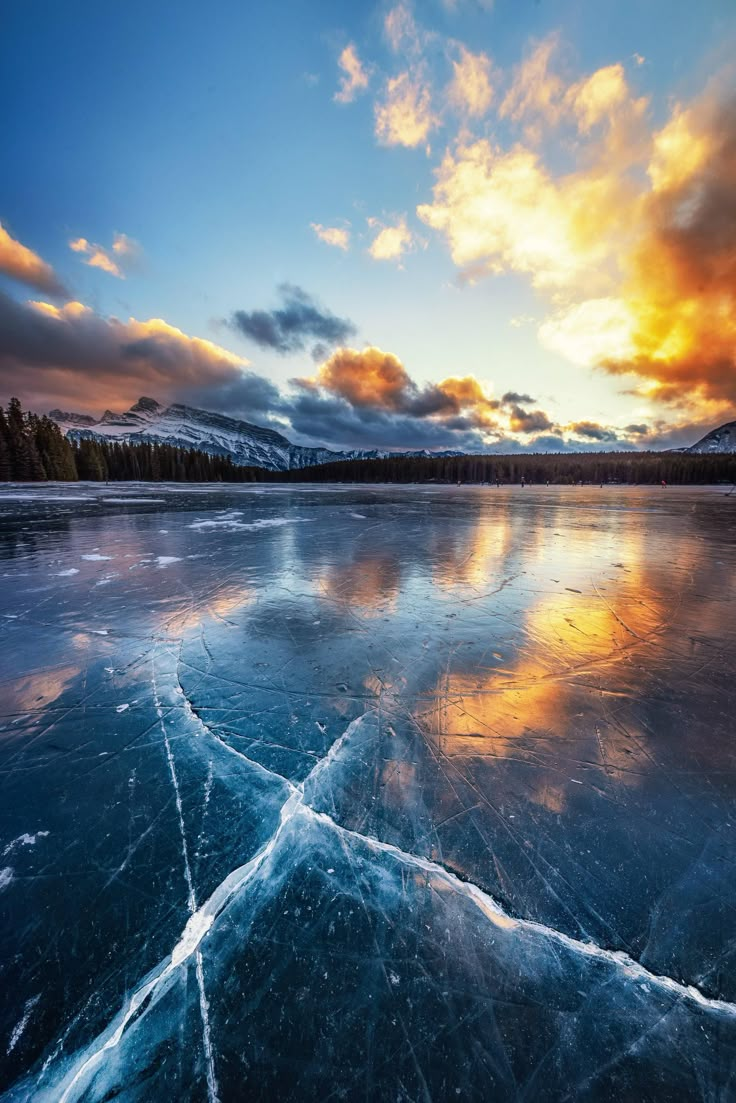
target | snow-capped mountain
x=722, y=439
x=185, y=427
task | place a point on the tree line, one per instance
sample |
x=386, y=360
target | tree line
x=566, y=469
x=34, y=449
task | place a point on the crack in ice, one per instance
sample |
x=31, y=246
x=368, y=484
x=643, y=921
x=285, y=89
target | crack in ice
x=212, y=1092
x=202, y=919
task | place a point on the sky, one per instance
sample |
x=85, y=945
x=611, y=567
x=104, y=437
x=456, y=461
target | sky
x=486, y=225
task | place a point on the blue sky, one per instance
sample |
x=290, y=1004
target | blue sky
x=209, y=138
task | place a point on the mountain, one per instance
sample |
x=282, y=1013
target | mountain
x=186, y=427
x=722, y=439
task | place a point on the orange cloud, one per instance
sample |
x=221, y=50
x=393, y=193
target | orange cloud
x=368, y=378
x=677, y=302
x=372, y=378
x=635, y=246
x=22, y=264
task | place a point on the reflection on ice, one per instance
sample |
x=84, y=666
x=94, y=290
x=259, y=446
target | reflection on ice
x=429, y=797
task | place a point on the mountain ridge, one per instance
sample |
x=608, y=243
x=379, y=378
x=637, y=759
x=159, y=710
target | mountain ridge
x=248, y=444
x=217, y=434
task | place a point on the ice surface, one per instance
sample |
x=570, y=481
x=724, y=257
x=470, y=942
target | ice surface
x=435, y=805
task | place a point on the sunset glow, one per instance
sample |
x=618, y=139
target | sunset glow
x=405, y=214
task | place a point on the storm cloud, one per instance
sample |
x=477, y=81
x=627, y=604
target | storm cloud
x=295, y=325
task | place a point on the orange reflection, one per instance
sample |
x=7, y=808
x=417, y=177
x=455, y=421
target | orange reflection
x=225, y=602
x=472, y=558
x=37, y=691
x=563, y=635
x=370, y=583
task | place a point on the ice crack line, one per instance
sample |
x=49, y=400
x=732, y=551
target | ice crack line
x=212, y=1092
x=497, y=915
x=202, y=919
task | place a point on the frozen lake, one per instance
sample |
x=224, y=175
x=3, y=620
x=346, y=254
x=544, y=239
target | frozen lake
x=407, y=793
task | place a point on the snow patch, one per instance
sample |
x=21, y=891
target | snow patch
x=24, y=840
x=232, y=525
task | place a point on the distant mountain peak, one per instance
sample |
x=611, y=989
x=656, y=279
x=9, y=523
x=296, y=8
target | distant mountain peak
x=146, y=405
x=722, y=439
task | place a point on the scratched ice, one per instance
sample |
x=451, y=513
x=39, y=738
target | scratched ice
x=381, y=793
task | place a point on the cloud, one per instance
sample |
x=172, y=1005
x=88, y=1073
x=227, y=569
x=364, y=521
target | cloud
x=391, y=242
x=22, y=264
x=528, y=421
x=372, y=378
x=405, y=117
x=588, y=332
x=300, y=321
x=401, y=30
x=116, y=261
x=536, y=90
x=680, y=284
x=669, y=316
x=368, y=378
x=70, y=356
x=504, y=211
x=629, y=231
x=354, y=79
x=513, y=397
x=471, y=91
x=592, y=430
x=540, y=94
x=332, y=235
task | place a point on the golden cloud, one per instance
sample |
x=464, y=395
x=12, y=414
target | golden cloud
x=405, y=117
x=635, y=245
x=54, y=353
x=676, y=314
x=124, y=251
x=390, y=242
x=503, y=210
x=535, y=90
x=471, y=92
x=22, y=264
x=354, y=79
x=337, y=236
